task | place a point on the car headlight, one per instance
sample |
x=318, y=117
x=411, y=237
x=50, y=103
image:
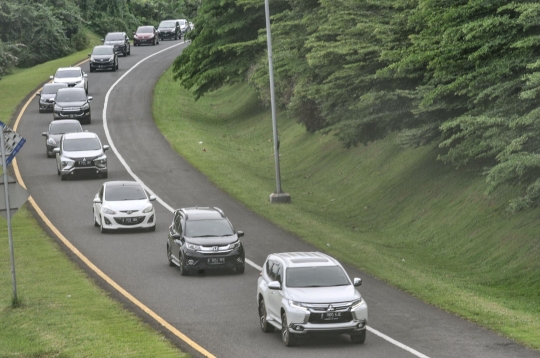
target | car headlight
x=108, y=211
x=79, y=81
x=234, y=245
x=51, y=141
x=57, y=108
x=67, y=162
x=42, y=100
x=298, y=305
x=92, y=59
x=357, y=304
x=85, y=106
x=101, y=160
x=192, y=247
x=148, y=209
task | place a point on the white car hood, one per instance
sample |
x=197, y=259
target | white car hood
x=323, y=294
x=83, y=154
x=67, y=80
x=133, y=205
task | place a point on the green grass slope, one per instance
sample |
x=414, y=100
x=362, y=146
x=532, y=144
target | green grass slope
x=398, y=214
x=63, y=313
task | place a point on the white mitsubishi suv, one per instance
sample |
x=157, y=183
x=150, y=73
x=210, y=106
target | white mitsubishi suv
x=309, y=292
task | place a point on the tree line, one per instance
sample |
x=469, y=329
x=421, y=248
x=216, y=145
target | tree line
x=463, y=75
x=36, y=31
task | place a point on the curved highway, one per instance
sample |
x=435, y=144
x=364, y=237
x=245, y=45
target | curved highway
x=212, y=313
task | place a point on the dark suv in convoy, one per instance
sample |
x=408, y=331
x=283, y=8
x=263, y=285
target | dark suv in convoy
x=103, y=58
x=47, y=94
x=72, y=103
x=169, y=29
x=203, y=238
x=120, y=41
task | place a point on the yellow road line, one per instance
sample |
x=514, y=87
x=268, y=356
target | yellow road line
x=93, y=267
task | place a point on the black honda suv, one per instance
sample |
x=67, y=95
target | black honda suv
x=120, y=41
x=169, y=29
x=202, y=238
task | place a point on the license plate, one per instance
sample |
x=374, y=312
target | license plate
x=331, y=316
x=84, y=163
x=130, y=220
x=71, y=116
x=216, y=261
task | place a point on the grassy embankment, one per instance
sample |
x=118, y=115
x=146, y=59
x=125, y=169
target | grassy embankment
x=398, y=214
x=63, y=314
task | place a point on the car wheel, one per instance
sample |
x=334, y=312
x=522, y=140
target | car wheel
x=154, y=42
x=183, y=270
x=101, y=228
x=289, y=339
x=169, y=257
x=91, y=69
x=63, y=177
x=114, y=68
x=86, y=89
x=240, y=269
x=94, y=218
x=104, y=176
x=57, y=171
x=129, y=50
x=49, y=155
x=265, y=326
x=117, y=64
x=359, y=338
x=153, y=228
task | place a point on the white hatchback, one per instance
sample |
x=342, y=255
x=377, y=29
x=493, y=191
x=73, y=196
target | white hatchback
x=309, y=293
x=123, y=205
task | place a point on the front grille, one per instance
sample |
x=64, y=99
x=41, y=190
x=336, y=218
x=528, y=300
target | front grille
x=130, y=220
x=323, y=318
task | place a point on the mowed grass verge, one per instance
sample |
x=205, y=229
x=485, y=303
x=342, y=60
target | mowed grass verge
x=398, y=214
x=63, y=312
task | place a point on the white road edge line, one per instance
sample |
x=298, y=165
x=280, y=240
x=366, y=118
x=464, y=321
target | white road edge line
x=171, y=209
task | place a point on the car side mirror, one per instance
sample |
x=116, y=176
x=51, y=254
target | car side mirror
x=105, y=147
x=51, y=77
x=50, y=100
x=90, y=98
x=102, y=40
x=97, y=200
x=240, y=233
x=89, y=54
x=357, y=281
x=44, y=134
x=152, y=198
x=38, y=94
x=85, y=74
x=133, y=33
x=56, y=150
x=274, y=285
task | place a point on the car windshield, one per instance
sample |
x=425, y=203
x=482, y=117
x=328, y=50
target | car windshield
x=208, y=228
x=70, y=96
x=145, y=30
x=167, y=24
x=51, y=88
x=121, y=193
x=316, y=276
x=62, y=128
x=103, y=51
x=114, y=37
x=68, y=73
x=80, y=144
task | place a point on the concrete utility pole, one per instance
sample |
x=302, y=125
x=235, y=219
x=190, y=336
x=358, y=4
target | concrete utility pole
x=278, y=196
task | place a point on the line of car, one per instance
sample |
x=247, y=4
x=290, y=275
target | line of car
x=298, y=293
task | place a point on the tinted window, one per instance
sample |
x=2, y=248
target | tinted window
x=208, y=228
x=62, y=128
x=114, y=37
x=70, y=95
x=145, y=30
x=121, y=193
x=167, y=24
x=317, y=276
x=68, y=73
x=79, y=144
x=103, y=51
x=51, y=88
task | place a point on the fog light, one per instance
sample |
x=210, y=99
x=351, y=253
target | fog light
x=297, y=327
x=361, y=324
x=191, y=262
x=107, y=221
x=151, y=220
x=240, y=260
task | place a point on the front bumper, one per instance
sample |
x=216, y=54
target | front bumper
x=137, y=220
x=198, y=261
x=83, y=115
x=102, y=65
x=143, y=41
x=46, y=107
x=302, y=321
x=92, y=170
x=167, y=35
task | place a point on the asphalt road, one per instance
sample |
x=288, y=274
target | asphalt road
x=218, y=311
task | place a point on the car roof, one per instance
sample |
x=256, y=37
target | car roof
x=306, y=259
x=104, y=46
x=121, y=183
x=68, y=68
x=115, y=33
x=56, y=84
x=203, y=213
x=71, y=89
x=62, y=121
x=80, y=135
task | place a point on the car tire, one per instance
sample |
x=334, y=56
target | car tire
x=154, y=42
x=240, y=269
x=152, y=228
x=104, y=176
x=91, y=69
x=57, y=170
x=169, y=257
x=117, y=64
x=289, y=339
x=63, y=177
x=86, y=89
x=359, y=338
x=265, y=326
x=94, y=218
x=101, y=228
x=182, y=268
x=129, y=51
x=114, y=68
